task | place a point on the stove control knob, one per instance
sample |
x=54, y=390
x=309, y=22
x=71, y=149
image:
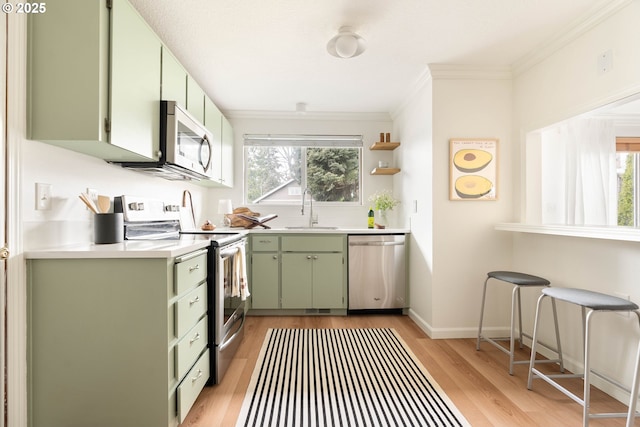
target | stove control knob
x=136, y=206
x=172, y=208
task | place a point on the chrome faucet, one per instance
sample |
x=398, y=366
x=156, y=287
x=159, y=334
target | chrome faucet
x=312, y=220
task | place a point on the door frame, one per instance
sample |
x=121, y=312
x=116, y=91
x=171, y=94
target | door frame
x=14, y=55
x=3, y=214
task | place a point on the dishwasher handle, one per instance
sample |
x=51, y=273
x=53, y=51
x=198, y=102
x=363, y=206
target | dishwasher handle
x=376, y=243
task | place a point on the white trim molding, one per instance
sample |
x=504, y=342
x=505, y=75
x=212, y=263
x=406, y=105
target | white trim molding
x=579, y=27
x=308, y=115
x=454, y=333
x=469, y=72
x=17, y=390
x=627, y=234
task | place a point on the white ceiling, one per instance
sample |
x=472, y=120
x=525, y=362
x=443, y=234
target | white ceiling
x=268, y=55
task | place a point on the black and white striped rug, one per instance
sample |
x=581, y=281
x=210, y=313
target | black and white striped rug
x=342, y=377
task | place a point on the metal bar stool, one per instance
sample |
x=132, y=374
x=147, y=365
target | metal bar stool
x=518, y=280
x=595, y=302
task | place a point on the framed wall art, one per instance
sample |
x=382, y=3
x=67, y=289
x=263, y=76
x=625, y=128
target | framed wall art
x=473, y=169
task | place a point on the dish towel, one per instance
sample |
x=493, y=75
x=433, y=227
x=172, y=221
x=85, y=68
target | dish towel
x=240, y=285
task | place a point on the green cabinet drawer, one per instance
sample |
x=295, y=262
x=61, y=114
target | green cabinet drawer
x=192, y=385
x=265, y=243
x=189, y=271
x=190, y=346
x=190, y=308
x=312, y=243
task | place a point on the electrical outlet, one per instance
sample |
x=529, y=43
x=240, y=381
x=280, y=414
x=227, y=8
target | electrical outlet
x=605, y=61
x=43, y=196
x=92, y=194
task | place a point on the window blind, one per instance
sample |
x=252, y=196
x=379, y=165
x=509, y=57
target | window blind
x=303, y=140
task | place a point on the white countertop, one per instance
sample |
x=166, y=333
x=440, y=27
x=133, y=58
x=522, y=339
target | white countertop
x=173, y=248
x=126, y=249
x=321, y=230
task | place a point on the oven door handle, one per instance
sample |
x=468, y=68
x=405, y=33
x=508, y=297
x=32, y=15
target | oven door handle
x=229, y=252
x=232, y=337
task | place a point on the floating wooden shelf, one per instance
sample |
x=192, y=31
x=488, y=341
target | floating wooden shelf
x=384, y=146
x=385, y=171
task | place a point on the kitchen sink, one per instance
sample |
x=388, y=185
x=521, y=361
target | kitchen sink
x=303, y=227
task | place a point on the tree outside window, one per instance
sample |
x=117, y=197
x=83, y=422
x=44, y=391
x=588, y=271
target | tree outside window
x=279, y=173
x=628, y=209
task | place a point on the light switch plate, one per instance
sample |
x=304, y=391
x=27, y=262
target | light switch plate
x=43, y=196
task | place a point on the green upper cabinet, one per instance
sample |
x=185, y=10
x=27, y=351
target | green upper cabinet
x=174, y=79
x=135, y=82
x=213, y=122
x=227, y=153
x=195, y=99
x=94, y=80
x=222, y=145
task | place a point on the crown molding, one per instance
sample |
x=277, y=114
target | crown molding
x=309, y=115
x=579, y=27
x=469, y=72
x=422, y=80
x=452, y=71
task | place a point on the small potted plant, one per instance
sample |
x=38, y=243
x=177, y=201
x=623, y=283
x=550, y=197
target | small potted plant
x=383, y=201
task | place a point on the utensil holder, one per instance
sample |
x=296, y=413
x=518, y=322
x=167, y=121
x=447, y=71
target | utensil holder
x=108, y=228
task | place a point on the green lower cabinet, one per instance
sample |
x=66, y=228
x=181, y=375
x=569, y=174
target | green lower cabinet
x=116, y=342
x=328, y=283
x=298, y=272
x=312, y=280
x=297, y=281
x=265, y=271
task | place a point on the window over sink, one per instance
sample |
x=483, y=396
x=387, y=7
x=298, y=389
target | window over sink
x=278, y=168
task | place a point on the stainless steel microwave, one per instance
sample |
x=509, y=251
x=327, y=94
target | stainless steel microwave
x=185, y=147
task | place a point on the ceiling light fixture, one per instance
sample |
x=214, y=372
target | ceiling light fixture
x=346, y=44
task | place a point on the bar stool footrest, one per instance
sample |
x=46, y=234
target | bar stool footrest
x=494, y=342
x=574, y=397
x=548, y=379
x=611, y=415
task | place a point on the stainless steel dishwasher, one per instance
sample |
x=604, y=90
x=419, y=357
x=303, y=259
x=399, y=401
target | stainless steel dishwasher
x=377, y=270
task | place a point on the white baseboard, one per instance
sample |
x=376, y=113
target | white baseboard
x=453, y=333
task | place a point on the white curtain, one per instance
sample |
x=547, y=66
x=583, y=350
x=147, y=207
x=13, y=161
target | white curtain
x=579, y=173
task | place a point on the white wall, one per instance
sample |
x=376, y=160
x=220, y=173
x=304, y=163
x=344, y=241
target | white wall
x=562, y=85
x=453, y=242
x=414, y=126
x=70, y=174
x=466, y=246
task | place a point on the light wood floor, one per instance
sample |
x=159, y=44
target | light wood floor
x=476, y=381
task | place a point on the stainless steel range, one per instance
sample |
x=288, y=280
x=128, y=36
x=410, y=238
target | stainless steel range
x=149, y=219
